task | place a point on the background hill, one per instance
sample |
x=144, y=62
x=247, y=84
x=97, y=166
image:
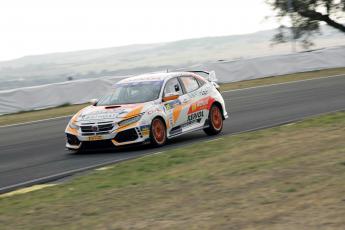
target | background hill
x=134, y=59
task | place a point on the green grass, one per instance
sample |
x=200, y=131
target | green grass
x=68, y=110
x=288, y=177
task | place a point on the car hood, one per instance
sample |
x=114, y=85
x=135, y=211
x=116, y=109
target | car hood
x=108, y=113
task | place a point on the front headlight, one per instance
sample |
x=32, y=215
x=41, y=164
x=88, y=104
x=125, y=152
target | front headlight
x=130, y=120
x=73, y=126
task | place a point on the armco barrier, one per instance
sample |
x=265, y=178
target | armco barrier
x=246, y=69
x=52, y=95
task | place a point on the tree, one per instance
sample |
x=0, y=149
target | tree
x=305, y=17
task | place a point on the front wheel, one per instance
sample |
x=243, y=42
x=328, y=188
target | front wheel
x=158, y=132
x=215, y=119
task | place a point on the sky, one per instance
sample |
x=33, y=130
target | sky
x=47, y=26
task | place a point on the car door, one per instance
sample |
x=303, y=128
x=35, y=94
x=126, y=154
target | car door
x=173, y=108
x=195, y=111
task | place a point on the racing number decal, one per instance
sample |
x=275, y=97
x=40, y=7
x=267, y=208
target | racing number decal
x=172, y=104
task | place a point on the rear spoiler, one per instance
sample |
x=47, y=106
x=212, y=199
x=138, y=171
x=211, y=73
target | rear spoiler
x=211, y=76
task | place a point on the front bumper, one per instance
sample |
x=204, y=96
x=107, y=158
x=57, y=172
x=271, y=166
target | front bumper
x=123, y=136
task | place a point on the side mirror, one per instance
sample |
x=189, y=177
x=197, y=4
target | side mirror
x=170, y=97
x=177, y=88
x=93, y=102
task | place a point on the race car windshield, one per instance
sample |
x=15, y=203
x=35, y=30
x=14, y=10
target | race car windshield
x=132, y=93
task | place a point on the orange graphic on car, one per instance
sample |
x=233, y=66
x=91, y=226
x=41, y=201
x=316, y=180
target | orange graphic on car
x=202, y=104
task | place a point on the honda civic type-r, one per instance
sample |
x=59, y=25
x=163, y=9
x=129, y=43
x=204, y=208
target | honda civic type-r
x=149, y=108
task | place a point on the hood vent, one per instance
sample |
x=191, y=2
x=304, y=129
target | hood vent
x=113, y=107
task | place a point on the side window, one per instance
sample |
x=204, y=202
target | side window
x=190, y=84
x=201, y=82
x=172, y=86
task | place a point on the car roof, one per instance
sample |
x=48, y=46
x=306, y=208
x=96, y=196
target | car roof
x=154, y=77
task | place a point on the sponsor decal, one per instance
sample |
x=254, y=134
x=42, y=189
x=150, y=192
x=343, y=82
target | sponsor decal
x=110, y=113
x=99, y=116
x=171, y=119
x=199, y=105
x=103, y=114
x=156, y=110
x=167, y=106
x=195, y=116
x=194, y=107
x=204, y=92
x=200, y=92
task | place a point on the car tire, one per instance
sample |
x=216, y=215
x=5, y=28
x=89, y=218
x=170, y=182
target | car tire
x=158, y=132
x=215, y=120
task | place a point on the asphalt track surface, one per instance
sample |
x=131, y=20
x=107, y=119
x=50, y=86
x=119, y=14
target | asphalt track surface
x=34, y=153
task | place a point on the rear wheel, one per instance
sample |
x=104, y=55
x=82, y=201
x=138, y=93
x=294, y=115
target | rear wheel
x=158, y=132
x=215, y=119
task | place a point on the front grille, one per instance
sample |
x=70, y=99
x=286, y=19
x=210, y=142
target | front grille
x=106, y=127
x=96, y=133
x=127, y=135
x=72, y=140
x=96, y=129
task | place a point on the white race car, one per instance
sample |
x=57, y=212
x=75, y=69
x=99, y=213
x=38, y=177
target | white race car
x=149, y=108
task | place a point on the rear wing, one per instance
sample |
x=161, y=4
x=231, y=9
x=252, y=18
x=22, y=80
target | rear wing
x=210, y=76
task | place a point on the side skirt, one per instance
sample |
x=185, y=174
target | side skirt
x=189, y=131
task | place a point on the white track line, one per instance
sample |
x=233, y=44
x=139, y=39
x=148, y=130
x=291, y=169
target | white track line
x=226, y=91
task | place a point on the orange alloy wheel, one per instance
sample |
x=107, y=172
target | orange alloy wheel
x=216, y=118
x=158, y=130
